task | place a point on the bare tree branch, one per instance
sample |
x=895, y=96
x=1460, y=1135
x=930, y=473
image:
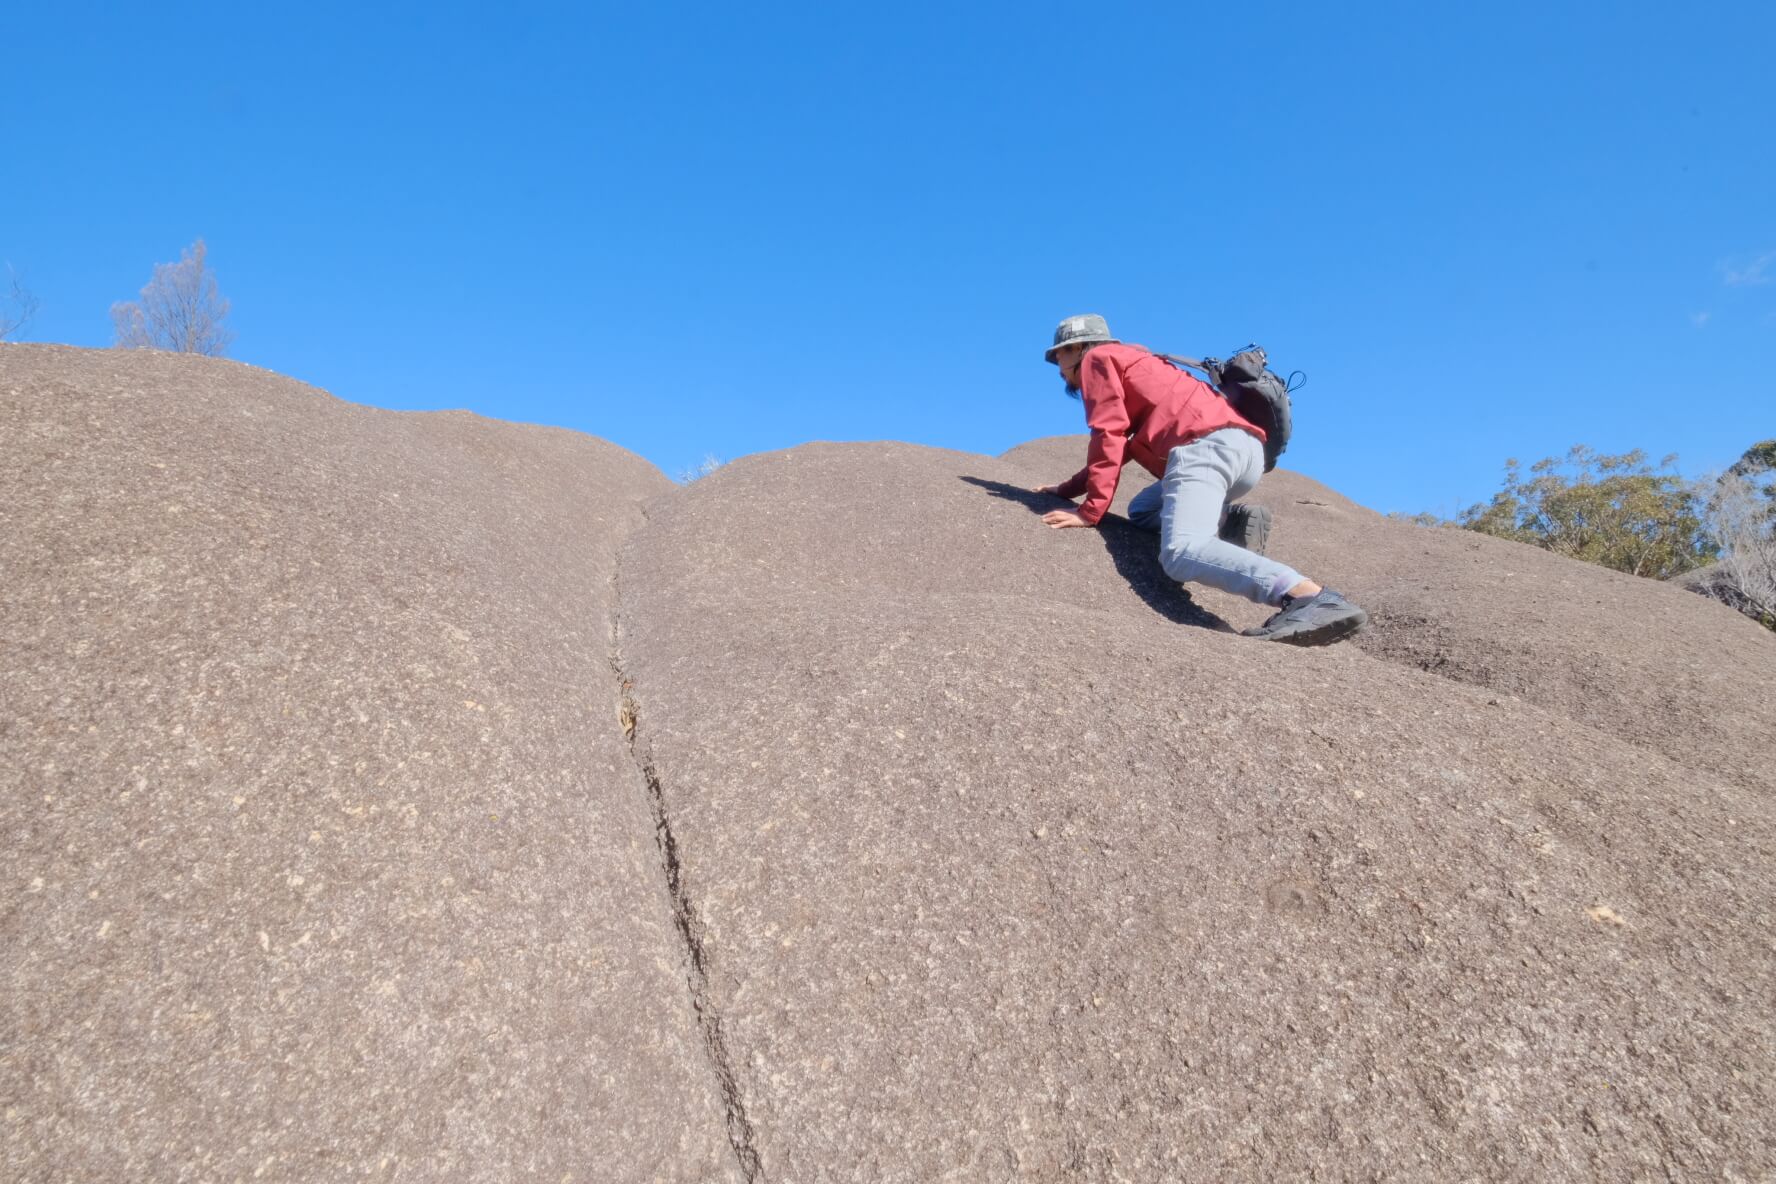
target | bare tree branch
x=180, y=309
x=709, y=464
x=17, y=305
x=1742, y=519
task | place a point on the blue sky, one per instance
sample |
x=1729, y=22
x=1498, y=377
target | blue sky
x=1482, y=230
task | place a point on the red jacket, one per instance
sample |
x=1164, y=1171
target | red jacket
x=1139, y=408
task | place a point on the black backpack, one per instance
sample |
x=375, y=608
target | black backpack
x=1256, y=391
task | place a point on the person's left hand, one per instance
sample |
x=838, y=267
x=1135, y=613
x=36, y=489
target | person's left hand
x=1061, y=519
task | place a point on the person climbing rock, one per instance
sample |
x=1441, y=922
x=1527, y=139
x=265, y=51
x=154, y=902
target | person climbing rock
x=1182, y=431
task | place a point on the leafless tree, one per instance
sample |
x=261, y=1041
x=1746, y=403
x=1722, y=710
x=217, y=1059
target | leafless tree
x=17, y=305
x=709, y=464
x=180, y=310
x=1741, y=519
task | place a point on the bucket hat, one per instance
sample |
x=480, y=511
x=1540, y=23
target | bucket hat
x=1088, y=329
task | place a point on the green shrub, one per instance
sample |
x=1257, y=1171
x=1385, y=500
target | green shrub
x=1616, y=511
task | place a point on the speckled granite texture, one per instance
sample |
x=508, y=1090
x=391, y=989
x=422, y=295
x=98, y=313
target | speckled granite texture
x=1008, y=864
x=326, y=858
x=404, y=796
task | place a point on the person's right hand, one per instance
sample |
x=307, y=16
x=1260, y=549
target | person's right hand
x=1054, y=489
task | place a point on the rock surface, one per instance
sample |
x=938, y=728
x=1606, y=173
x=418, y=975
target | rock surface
x=1643, y=660
x=1000, y=873
x=326, y=857
x=893, y=837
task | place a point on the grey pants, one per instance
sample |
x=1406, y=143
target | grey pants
x=1186, y=507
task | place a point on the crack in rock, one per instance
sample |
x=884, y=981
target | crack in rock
x=739, y=1126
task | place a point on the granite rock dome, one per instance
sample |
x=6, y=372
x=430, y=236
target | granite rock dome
x=413, y=795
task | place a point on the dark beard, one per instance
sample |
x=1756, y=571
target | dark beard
x=1073, y=392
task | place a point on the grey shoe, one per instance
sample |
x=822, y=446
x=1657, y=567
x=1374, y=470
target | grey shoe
x=1247, y=526
x=1313, y=620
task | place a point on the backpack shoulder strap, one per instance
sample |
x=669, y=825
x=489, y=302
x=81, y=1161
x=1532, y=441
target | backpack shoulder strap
x=1176, y=360
x=1209, y=366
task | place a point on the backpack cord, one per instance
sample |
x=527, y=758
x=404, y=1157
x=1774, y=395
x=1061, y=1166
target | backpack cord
x=1291, y=386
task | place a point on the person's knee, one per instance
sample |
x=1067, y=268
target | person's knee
x=1147, y=508
x=1147, y=518
x=1176, y=566
x=1179, y=558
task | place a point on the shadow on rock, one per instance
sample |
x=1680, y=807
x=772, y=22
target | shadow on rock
x=1131, y=549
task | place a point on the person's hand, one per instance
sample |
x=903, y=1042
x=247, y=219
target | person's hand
x=1054, y=489
x=1062, y=519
